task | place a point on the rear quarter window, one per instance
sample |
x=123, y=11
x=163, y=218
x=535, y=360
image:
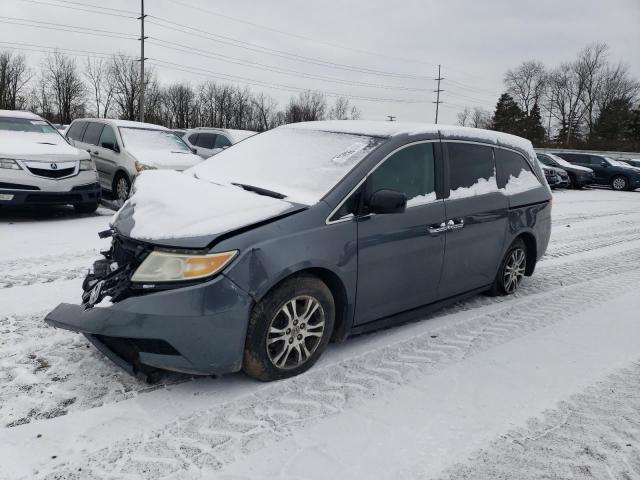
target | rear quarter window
x=514, y=172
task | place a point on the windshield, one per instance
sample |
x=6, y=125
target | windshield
x=149, y=139
x=616, y=162
x=560, y=161
x=301, y=165
x=26, y=125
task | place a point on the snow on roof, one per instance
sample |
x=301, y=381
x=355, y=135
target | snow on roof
x=19, y=114
x=391, y=129
x=124, y=123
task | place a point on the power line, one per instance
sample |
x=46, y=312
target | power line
x=65, y=28
x=261, y=66
x=276, y=86
x=70, y=51
x=40, y=2
x=97, y=6
x=271, y=51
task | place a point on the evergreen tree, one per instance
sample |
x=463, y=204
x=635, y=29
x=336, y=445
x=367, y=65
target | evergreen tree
x=613, y=128
x=533, y=129
x=508, y=117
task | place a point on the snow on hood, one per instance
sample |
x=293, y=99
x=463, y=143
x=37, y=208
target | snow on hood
x=37, y=146
x=164, y=159
x=166, y=205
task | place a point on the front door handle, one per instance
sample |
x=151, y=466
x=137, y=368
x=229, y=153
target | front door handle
x=95, y=152
x=455, y=224
x=437, y=228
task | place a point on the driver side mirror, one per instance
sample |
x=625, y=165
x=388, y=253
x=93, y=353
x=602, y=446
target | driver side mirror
x=387, y=201
x=604, y=164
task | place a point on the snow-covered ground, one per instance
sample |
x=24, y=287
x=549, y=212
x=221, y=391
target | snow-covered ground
x=543, y=384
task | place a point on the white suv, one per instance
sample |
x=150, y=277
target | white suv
x=38, y=166
x=121, y=149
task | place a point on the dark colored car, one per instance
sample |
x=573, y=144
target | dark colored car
x=610, y=172
x=556, y=177
x=634, y=162
x=307, y=233
x=578, y=176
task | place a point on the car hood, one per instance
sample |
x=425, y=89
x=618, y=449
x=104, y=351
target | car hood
x=43, y=147
x=164, y=159
x=176, y=209
x=581, y=169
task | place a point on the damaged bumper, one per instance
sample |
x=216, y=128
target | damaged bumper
x=198, y=329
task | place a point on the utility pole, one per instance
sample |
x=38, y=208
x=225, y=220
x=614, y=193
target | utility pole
x=549, y=126
x=391, y=118
x=142, y=59
x=438, y=102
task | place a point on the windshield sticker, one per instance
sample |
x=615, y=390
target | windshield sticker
x=351, y=150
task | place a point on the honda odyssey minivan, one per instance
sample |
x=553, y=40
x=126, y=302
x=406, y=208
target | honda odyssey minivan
x=306, y=234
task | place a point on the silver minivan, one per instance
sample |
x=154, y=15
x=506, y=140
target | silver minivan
x=121, y=149
x=206, y=141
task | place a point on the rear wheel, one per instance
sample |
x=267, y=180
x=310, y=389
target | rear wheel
x=511, y=271
x=86, y=207
x=619, y=183
x=289, y=329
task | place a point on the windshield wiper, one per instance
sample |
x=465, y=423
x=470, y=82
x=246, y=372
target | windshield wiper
x=260, y=191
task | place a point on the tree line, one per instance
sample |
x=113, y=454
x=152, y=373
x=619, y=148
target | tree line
x=586, y=103
x=63, y=88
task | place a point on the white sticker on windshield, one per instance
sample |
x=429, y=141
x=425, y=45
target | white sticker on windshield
x=351, y=150
x=38, y=122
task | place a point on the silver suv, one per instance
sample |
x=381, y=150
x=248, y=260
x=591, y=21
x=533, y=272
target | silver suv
x=121, y=149
x=38, y=166
x=207, y=142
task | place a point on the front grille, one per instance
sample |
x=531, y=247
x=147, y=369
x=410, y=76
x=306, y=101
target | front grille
x=53, y=198
x=17, y=186
x=41, y=172
x=91, y=186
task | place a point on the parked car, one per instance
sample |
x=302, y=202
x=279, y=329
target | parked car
x=579, y=177
x=556, y=177
x=39, y=167
x=308, y=233
x=610, y=172
x=207, y=142
x=634, y=162
x=122, y=149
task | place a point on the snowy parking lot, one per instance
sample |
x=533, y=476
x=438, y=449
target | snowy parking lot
x=542, y=384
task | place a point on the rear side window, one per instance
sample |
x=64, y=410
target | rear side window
x=471, y=170
x=410, y=171
x=510, y=165
x=222, y=142
x=193, y=139
x=92, y=133
x=76, y=130
x=206, y=140
x=108, y=136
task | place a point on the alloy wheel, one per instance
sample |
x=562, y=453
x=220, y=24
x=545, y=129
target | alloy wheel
x=619, y=183
x=122, y=189
x=514, y=270
x=295, y=332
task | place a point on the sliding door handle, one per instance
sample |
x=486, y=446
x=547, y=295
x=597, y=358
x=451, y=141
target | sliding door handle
x=455, y=224
x=437, y=228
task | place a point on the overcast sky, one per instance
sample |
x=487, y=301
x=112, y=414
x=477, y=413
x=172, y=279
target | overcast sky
x=401, y=41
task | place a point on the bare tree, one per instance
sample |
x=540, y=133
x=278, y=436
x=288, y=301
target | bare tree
x=356, y=114
x=65, y=84
x=343, y=110
x=590, y=68
x=526, y=84
x=14, y=75
x=125, y=74
x=463, y=117
x=264, y=107
x=617, y=83
x=567, y=89
x=480, y=118
x=307, y=106
x=101, y=83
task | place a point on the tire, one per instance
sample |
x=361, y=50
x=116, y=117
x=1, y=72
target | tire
x=571, y=182
x=507, y=283
x=86, y=207
x=620, y=183
x=121, y=187
x=277, y=341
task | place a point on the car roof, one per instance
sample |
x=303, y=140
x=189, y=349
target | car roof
x=20, y=114
x=392, y=129
x=123, y=123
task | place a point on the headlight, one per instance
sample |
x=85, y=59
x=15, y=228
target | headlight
x=175, y=267
x=140, y=167
x=86, y=165
x=9, y=164
x=547, y=171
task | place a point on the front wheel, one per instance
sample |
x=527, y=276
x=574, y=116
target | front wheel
x=289, y=329
x=511, y=271
x=619, y=183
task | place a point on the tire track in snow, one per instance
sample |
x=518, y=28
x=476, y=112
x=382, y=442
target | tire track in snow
x=215, y=438
x=595, y=434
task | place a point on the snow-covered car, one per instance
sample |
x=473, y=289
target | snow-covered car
x=578, y=176
x=121, y=149
x=39, y=167
x=634, y=162
x=556, y=177
x=207, y=142
x=308, y=233
x=618, y=175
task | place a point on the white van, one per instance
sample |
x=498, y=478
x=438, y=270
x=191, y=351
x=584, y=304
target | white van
x=39, y=167
x=121, y=149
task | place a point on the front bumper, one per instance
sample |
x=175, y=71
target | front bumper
x=198, y=329
x=79, y=194
x=582, y=180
